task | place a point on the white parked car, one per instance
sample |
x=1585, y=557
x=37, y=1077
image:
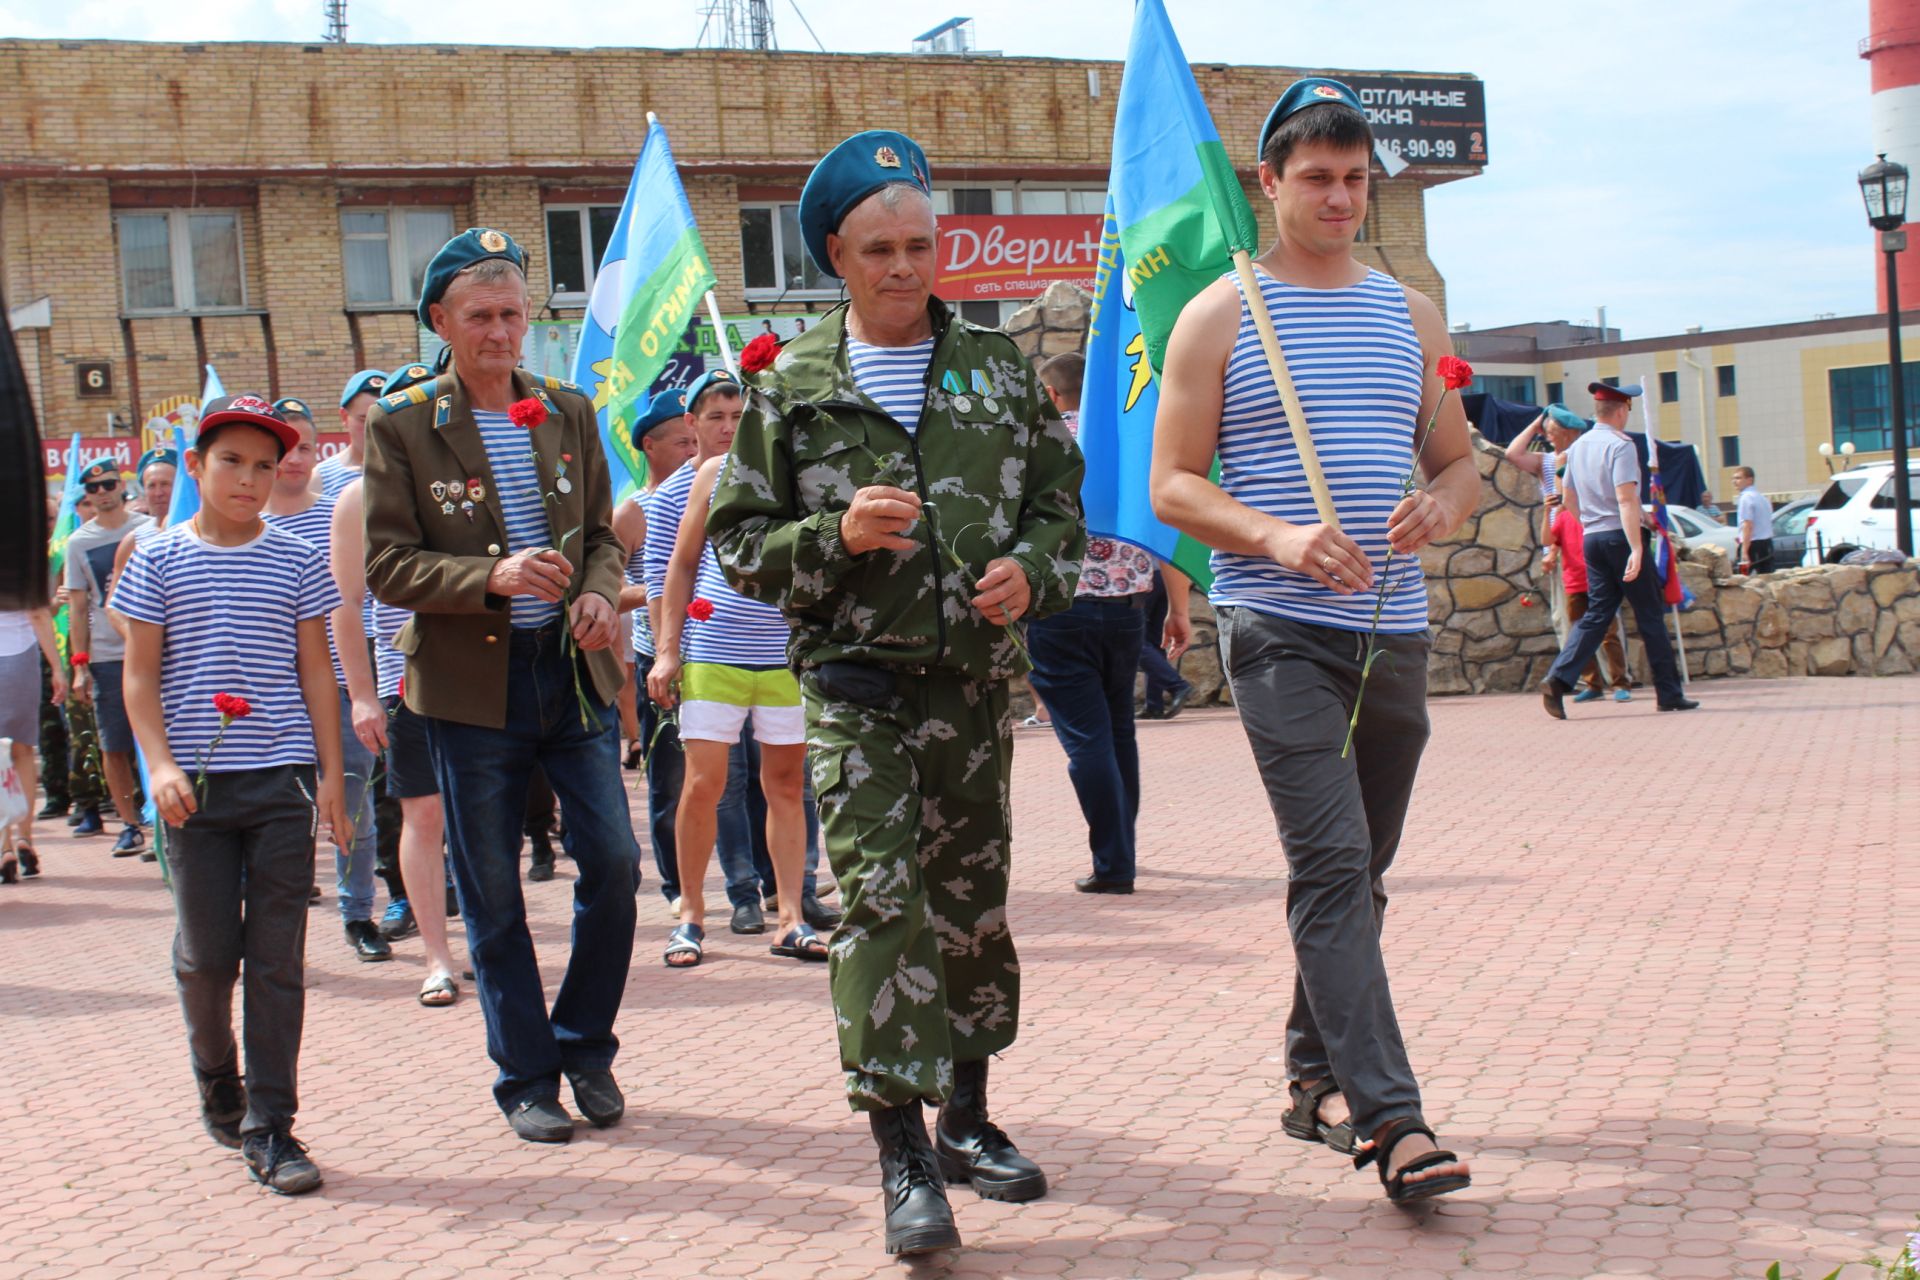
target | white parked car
x=1694, y=528
x=1856, y=510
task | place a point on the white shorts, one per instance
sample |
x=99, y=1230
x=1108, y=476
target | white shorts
x=715, y=701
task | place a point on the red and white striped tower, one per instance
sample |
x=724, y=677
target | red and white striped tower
x=1893, y=51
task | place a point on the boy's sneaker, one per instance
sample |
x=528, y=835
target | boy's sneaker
x=278, y=1161
x=88, y=823
x=364, y=937
x=131, y=841
x=223, y=1105
x=398, y=922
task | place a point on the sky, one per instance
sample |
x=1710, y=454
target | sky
x=1678, y=162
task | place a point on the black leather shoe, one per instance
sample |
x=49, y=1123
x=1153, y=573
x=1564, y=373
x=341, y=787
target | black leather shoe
x=748, y=918
x=1094, y=884
x=974, y=1149
x=818, y=914
x=543, y=858
x=1177, y=702
x=541, y=1120
x=223, y=1105
x=54, y=809
x=912, y=1196
x=1552, y=695
x=1685, y=704
x=364, y=937
x=598, y=1097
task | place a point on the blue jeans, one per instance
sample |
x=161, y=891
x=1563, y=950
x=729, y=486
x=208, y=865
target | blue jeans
x=1083, y=667
x=484, y=775
x=1607, y=553
x=748, y=875
x=356, y=864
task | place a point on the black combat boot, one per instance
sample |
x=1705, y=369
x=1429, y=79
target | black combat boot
x=973, y=1149
x=919, y=1220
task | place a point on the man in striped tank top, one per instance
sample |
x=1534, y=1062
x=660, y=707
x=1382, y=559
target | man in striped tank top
x=1296, y=597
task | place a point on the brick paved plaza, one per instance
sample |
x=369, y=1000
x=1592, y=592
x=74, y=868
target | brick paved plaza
x=1664, y=1025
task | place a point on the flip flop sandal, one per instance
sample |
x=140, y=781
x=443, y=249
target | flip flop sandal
x=685, y=940
x=1303, y=1121
x=801, y=943
x=1399, y=1190
x=439, y=991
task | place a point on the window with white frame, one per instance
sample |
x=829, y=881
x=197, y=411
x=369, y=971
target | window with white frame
x=181, y=260
x=577, y=236
x=386, y=251
x=773, y=257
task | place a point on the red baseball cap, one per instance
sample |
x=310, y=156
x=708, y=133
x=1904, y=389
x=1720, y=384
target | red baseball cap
x=251, y=411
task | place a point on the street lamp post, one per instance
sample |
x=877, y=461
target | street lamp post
x=1883, y=185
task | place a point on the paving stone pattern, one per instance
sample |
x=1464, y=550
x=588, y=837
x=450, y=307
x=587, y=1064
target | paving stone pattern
x=1669, y=1018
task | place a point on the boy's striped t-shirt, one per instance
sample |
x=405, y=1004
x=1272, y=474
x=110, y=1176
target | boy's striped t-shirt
x=895, y=378
x=516, y=480
x=231, y=617
x=315, y=526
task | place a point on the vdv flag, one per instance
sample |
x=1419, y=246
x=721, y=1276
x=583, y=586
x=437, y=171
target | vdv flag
x=651, y=279
x=1175, y=215
x=186, y=490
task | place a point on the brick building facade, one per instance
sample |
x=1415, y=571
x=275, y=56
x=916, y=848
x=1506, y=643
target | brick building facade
x=231, y=203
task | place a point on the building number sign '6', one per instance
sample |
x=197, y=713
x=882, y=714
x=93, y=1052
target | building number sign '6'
x=93, y=378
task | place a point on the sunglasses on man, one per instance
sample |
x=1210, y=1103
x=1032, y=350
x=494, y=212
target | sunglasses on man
x=107, y=485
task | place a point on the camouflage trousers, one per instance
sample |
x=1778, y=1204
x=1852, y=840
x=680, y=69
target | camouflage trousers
x=913, y=794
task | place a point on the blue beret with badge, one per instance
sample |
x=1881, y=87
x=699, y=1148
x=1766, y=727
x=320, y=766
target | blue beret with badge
x=367, y=382
x=1313, y=91
x=718, y=376
x=408, y=375
x=471, y=247
x=849, y=174
x=156, y=457
x=1565, y=417
x=669, y=406
x=292, y=407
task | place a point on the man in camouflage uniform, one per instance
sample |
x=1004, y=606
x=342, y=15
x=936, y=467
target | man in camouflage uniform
x=901, y=488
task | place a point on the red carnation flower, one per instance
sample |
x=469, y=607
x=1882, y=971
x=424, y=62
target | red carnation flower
x=759, y=353
x=528, y=413
x=82, y=658
x=699, y=608
x=1454, y=371
x=232, y=706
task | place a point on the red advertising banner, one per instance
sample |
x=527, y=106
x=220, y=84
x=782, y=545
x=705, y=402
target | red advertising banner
x=983, y=256
x=125, y=451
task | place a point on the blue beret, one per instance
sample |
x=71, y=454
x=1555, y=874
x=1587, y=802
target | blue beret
x=408, y=375
x=1604, y=391
x=291, y=407
x=474, y=245
x=367, y=382
x=669, y=406
x=849, y=174
x=718, y=376
x=1314, y=91
x=153, y=456
x=1565, y=417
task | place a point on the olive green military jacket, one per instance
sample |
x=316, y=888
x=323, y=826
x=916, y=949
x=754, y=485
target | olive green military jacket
x=435, y=531
x=997, y=470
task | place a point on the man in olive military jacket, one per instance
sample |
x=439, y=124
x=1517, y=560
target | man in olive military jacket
x=489, y=515
x=902, y=490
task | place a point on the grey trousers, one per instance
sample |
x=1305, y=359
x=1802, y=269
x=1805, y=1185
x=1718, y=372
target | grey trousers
x=1340, y=823
x=242, y=866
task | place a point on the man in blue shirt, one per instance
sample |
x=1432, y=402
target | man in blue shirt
x=1755, y=515
x=1603, y=493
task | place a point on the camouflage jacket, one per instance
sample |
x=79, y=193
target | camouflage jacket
x=997, y=469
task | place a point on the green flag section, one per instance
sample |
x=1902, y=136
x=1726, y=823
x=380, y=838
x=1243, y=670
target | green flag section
x=652, y=278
